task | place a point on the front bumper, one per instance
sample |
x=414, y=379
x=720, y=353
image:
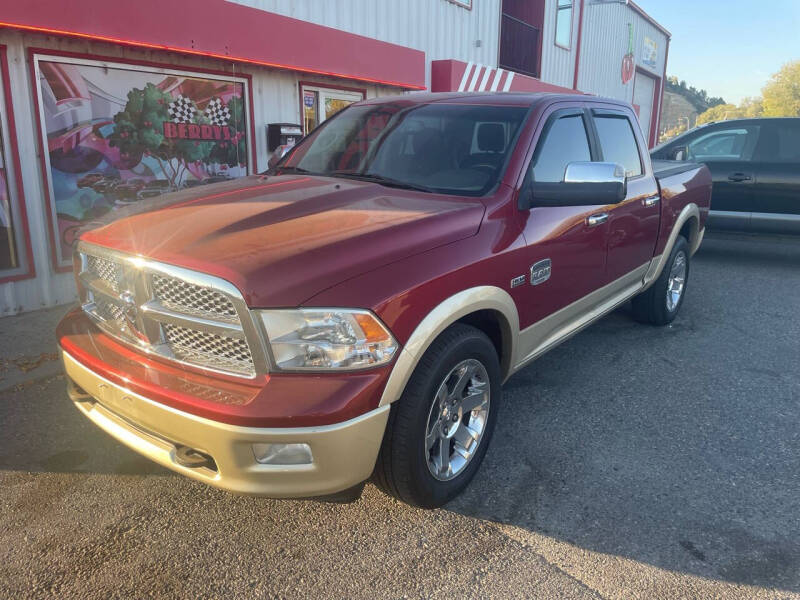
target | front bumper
x=344, y=454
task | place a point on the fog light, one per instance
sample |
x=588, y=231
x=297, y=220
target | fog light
x=282, y=454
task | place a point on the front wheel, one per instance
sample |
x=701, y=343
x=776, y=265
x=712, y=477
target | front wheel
x=660, y=303
x=439, y=430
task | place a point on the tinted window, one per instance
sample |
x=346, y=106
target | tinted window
x=618, y=143
x=780, y=144
x=565, y=142
x=447, y=148
x=730, y=143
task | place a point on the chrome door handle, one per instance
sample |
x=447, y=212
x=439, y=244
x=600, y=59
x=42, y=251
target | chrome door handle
x=596, y=220
x=651, y=201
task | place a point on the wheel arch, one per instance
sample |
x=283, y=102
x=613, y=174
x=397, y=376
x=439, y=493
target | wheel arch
x=488, y=308
x=688, y=221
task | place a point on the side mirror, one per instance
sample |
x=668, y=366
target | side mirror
x=679, y=153
x=585, y=183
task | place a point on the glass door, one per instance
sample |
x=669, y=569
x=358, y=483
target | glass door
x=321, y=103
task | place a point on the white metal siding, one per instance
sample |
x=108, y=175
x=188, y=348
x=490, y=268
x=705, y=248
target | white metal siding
x=605, y=43
x=440, y=28
x=558, y=64
x=276, y=98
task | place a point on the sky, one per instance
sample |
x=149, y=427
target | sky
x=730, y=48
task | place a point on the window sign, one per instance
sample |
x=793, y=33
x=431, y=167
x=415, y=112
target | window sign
x=117, y=134
x=650, y=54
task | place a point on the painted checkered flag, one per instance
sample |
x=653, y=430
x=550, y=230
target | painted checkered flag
x=217, y=113
x=181, y=110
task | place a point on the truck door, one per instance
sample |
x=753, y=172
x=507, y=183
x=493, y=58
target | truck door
x=777, y=172
x=561, y=238
x=727, y=151
x=633, y=223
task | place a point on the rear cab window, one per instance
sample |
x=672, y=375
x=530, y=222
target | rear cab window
x=618, y=141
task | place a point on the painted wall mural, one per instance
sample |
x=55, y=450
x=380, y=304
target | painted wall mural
x=117, y=134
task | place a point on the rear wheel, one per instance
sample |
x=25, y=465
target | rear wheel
x=660, y=303
x=440, y=428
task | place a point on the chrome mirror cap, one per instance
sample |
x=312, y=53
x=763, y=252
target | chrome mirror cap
x=594, y=172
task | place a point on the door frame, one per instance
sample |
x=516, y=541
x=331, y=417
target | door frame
x=317, y=87
x=652, y=135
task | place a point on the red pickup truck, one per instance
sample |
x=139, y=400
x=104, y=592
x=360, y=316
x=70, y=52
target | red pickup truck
x=355, y=311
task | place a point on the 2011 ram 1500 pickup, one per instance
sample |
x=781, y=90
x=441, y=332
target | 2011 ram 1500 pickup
x=356, y=310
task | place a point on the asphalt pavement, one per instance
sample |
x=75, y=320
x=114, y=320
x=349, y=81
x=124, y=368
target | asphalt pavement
x=630, y=462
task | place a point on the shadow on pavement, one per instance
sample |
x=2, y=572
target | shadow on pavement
x=677, y=447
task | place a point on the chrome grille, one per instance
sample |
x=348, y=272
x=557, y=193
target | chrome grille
x=179, y=314
x=182, y=296
x=108, y=311
x=104, y=269
x=209, y=349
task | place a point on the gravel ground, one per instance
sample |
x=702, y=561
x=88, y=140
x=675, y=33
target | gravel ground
x=631, y=462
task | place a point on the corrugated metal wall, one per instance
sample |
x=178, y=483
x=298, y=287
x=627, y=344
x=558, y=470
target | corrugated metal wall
x=605, y=43
x=558, y=64
x=440, y=28
x=276, y=98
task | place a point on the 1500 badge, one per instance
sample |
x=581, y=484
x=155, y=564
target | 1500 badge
x=540, y=271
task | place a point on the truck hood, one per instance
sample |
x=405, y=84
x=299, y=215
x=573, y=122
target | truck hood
x=283, y=239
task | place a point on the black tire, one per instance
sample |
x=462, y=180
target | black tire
x=651, y=306
x=402, y=466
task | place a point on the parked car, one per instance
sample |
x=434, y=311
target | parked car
x=107, y=184
x=755, y=165
x=357, y=310
x=89, y=179
x=129, y=189
x=154, y=188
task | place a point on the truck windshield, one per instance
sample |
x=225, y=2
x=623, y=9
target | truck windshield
x=442, y=148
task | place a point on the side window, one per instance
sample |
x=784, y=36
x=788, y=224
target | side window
x=565, y=142
x=730, y=143
x=780, y=143
x=618, y=142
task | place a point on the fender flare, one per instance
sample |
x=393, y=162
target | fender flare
x=440, y=318
x=690, y=211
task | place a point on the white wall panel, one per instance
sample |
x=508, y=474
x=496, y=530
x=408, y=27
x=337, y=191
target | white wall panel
x=440, y=28
x=558, y=64
x=605, y=43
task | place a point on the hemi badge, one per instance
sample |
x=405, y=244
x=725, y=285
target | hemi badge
x=517, y=281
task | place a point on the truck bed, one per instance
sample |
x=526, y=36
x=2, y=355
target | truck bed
x=666, y=168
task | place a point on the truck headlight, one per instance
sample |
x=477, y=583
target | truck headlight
x=327, y=339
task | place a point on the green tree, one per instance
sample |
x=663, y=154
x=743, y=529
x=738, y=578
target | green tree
x=782, y=93
x=751, y=107
x=234, y=151
x=721, y=112
x=139, y=130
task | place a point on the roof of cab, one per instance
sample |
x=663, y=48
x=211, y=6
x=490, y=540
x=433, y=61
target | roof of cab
x=488, y=98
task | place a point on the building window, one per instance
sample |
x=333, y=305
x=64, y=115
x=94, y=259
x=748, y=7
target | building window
x=520, y=36
x=321, y=103
x=564, y=23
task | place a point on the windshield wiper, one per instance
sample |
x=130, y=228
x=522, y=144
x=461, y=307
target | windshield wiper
x=380, y=179
x=299, y=170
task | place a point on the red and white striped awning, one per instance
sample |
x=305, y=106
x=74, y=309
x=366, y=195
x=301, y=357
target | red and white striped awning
x=458, y=76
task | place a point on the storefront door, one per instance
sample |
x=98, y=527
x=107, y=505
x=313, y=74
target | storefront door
x=320, y=104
